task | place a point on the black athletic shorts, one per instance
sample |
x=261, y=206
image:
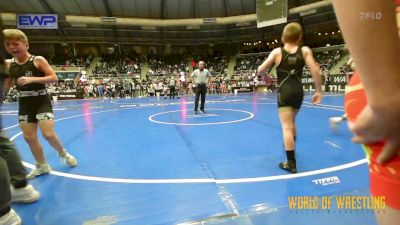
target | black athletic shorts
x=35, y=108
x=290, y=94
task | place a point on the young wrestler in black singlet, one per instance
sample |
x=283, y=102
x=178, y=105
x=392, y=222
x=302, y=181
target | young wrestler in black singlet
x=31, y=74
x=289, y=71
x=34, y=102
x=290, y=61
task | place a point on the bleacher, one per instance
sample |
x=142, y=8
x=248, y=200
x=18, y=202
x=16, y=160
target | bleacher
x=326, y=57
x=114, y=65
x=216, y=64
x=246, y=64
x=167, y=65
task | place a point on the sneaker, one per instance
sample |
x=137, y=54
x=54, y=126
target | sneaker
x=10, y=218
x=40, y=169
x=68, y=159
x=334, y=122
x=27, y=194
x=288, y=166
x=196, y=112
x=203, y=111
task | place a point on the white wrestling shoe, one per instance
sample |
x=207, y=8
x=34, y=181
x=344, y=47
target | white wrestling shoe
x=11, y=218
x=334, y=122
x=27, y=194
x=68, y=159
x=39, y=170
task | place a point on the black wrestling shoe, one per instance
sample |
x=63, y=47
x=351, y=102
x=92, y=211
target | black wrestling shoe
x=288, y=166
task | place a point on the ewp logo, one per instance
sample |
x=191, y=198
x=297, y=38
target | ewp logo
x=37, y=21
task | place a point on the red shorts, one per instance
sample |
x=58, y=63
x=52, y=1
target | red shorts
x=398, y=6
x=385, y=179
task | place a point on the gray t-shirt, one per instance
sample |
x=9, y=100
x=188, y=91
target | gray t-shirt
x=201, y=77
x=172, y=82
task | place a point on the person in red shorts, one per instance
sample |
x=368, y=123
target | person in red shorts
x=334, y=122
x=373, y=96
x=398, y=15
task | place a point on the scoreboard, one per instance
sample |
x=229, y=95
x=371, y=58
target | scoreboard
x=271, y=12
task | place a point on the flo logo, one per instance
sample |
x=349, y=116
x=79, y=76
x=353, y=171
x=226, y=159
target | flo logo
x=28, y=73
x=327, y=181
x=370, y=15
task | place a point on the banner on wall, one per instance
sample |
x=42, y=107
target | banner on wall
x=68, y=95
x=37, y=21
x=242, y=89
x=67, y=75
x=337, y=83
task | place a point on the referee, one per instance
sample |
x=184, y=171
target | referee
x=172, y=91
x=200, y=77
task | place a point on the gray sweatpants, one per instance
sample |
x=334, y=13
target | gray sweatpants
x=11, y=170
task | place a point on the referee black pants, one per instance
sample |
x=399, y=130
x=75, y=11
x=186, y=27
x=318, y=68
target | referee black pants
x=171, y=92
x=201, y=89
x=11, y=170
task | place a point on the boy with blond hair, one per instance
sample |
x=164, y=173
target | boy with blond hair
x=290, y=61
x=31, y=74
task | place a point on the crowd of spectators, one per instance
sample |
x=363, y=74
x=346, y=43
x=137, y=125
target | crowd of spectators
x=107, y=81
x=109, y=88
x=82, y=60
x=345, y=69
x=176, y=65
x=247, y=63
x=70, y=60
x=217, y=64
x=62, y=86
x=116, y=65
x=327, y=59
x=172, y=64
